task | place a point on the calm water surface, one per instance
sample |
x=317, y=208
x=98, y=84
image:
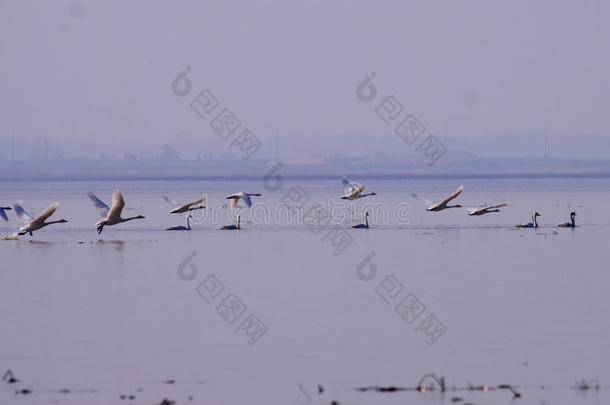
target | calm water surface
x=118, y=314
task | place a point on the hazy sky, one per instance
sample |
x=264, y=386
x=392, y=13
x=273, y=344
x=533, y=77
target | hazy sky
x=100, y=72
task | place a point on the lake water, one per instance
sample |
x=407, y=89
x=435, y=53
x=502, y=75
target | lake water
x=265, y=314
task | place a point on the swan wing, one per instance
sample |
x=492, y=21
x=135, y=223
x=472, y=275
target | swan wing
x=491, y=207
x=50, y=210
x=234, y=199
x=351, y=188
x=3, y=214
x=199, y=201
x=472, y=210
x=117, y=205
x=22, y=214
x=247, y=200
x=424, y=200
x=173, y=204
x=453, y=196
x=101, y=207
x=186, y=206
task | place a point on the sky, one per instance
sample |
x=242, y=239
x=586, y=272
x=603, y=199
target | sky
x=99, y=74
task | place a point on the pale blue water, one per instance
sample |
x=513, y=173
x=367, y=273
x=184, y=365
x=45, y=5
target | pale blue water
x=111, y=313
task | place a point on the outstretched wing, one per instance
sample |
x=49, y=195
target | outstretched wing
x=3, y=214
x=234, y=198
x=247, y=200
x=166, y=198
x=46, y=213
x=117, y=204
x=188, y=205
x=491, y=207
x=199, y=201
x=351, y=188
x=453, y=196
x=22, y=214
x=101, y=207
x=425, y=200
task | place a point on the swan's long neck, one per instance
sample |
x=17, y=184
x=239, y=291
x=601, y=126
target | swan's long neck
x=366, y=219
x=535, y=220
x=52, y=222
x=238, y=220
x=129, y=219
x=573, y=218
x=188, y=225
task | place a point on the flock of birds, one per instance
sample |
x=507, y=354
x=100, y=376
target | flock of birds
x=113, y=215
x=477, y=211
x=352, y=191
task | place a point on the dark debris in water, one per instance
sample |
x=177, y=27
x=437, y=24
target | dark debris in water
x=9, y=377
x=584, y=385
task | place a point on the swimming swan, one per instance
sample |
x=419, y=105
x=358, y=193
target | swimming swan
x=365, y=225
x=180, y=227
x=232, y=227
x=571, y=224
x=533, y=224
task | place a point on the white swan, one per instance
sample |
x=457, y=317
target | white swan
x=33, y=224
x=365, y=225
x=533, y=224
x=443, y=204
x=3, y=213
x=486, y=210
x=572, y=223
x=182, y=228
x=112, y=216
x=232, y=227
x=179, y=209
x=353, y=190
x=241, y=196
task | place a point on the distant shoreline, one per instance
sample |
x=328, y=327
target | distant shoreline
x=306, y=177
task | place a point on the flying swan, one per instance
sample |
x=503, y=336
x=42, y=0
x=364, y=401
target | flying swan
x=242, y=196
x=179, y=209
x=33, y=224
x=486, y=210
x=443, y=204
x=112, y=216
x=353, y=190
